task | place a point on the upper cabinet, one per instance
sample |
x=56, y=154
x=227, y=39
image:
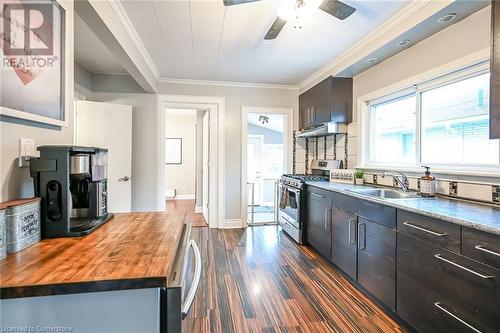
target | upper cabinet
x=328, y=101
x=495, y=72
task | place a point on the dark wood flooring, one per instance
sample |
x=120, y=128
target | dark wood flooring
x=260, y=281
x=188, y=207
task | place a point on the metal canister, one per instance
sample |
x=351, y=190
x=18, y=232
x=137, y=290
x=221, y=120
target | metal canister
x=79, y=164
x=3, y=234
x=23, y=224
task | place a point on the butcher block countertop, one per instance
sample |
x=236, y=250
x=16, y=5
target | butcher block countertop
x=131, y=251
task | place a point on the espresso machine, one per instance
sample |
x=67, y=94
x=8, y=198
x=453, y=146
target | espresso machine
x=72, y=183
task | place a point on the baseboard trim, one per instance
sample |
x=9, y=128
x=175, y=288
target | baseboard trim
x=184, y=197
x=231, y=224
x=198, y=210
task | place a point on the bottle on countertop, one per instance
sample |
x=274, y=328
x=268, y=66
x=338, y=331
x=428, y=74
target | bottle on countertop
x=427, y=184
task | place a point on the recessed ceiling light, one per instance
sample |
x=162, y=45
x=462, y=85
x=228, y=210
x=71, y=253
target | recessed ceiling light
x=447, y=18
x=371, y=60
x=403, y=42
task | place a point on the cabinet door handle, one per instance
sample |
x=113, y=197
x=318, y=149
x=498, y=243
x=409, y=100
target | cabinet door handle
x=482, y=248
x=327, y=218
x=438, y=256
x=352, y=240
x=424, y=230
x=317, y=195
x=449, y=313
x=361, y=236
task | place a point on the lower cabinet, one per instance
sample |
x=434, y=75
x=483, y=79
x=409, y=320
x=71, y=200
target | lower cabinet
x=442, y=291
x=344, y=243
x=319, y=206
x=377, y=260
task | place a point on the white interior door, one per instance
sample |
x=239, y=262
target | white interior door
x=206, y=152
x=109, y=126
x=254, y=168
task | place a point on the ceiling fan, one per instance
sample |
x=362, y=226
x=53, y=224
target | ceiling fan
x=296, y=10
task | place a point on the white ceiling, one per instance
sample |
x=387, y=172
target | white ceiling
x=91, y=53
x=276, y=121
x=204, y=40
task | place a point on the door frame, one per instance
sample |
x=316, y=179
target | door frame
x=287, y=140
x=216, y=109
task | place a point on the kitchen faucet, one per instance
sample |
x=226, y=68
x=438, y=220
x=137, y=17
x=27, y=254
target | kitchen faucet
x=403, y=182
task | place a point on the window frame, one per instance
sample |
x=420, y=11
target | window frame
x=417, y=90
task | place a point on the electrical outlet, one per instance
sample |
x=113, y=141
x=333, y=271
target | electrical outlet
x=27, y=149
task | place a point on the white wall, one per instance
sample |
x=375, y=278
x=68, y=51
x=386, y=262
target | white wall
x=199, y=158
x=16, y=182
x=181, y=177
x=461, y=39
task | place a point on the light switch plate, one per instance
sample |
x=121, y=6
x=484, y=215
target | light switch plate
x=27, y=149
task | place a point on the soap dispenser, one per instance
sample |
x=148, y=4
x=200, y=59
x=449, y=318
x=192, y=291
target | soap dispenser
x=427, y=184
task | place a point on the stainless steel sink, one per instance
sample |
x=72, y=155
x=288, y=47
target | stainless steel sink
x=385, y=194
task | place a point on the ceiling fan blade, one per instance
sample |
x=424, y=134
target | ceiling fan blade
x=337, y=8
x=237, y=2
x=275, y=29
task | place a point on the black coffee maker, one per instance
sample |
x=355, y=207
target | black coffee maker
x=72, y=182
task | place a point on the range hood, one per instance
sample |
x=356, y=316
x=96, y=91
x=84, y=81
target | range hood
x=323, y=130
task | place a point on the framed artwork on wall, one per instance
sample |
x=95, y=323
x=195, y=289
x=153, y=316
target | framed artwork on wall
x=34, y=72
x=173, y=151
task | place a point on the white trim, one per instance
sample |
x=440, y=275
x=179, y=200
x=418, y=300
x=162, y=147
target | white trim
x=464, y=67
x=411, y=15
x=184, y=197
x=129, y=27
x=216, y=109
x=198, y=210
x=228, y=83
x=232, y=224
x=287, y=142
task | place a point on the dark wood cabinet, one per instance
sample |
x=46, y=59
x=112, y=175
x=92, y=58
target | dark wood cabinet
x=330, y=100
x=495, y=72
x=377, y=260
x=319, y=211
x=439, y=290
x=344, y=243
x=481, y=246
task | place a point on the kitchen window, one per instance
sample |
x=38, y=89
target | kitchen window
x=442, y=123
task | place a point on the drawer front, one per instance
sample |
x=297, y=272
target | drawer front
x=345, y=202
x=318, y=193
x=434, y=231
x=380, y=214
x=443, y=284
x=481, y=246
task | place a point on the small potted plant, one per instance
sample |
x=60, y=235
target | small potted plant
x=358, y=177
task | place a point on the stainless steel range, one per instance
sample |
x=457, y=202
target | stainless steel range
x=291, y=197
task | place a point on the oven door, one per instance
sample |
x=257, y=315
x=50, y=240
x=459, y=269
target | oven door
x=289, y=205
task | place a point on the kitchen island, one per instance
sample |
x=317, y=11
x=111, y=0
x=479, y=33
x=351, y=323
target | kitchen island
x=123, y=277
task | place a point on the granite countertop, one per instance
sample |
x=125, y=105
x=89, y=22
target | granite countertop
x=473, y=215
x=130, y=251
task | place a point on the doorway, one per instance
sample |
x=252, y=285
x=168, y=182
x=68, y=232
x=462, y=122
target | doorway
x=186, y=163
x=265, y=144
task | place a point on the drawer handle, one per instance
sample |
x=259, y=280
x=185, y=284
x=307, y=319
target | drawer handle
x=438, y=256
x=482, y=248
x=317, y=195
x=440, y=307
x=424, y=230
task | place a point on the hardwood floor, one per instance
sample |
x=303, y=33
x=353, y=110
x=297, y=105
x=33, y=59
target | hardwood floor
x=188, y=207
x=260, y=281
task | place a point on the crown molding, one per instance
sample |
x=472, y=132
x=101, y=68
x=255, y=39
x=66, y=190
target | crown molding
x=402, y=21
x=129, y=27
x=228, y=83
